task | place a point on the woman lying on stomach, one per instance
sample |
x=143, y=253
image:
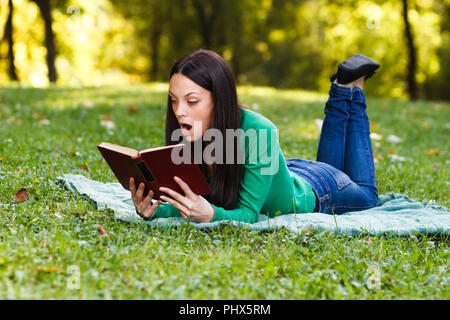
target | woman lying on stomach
x=241, y=156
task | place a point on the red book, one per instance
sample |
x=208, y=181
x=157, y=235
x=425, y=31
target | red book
x=154, y=167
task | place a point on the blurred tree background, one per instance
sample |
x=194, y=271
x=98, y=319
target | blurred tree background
x=279, y=43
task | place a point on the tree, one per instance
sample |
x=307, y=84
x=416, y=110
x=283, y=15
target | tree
x=8, y=36
x=45, y=9
x=412, y=57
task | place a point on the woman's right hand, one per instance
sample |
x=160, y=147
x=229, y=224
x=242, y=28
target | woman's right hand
x=144, y=206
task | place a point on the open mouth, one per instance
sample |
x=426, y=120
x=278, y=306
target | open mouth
x=185, y=128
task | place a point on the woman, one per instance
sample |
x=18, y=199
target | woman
x=202, y=91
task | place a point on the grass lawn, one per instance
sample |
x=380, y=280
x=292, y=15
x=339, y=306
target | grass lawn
x=47, y=240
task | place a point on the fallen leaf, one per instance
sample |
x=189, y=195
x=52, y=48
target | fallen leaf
x=37, y=115
x=369, y=240
x=308, y=231
x=377, y=158
x=1, y=159
x=426, y=125
x=383, y=106
x=106, y=116
x=391, y=150
x=132, y=109
x=48, y=269
x=373, y=126
x=83, y=167
x=44, y=122
x=20, y=170
x=102, y=231
x=21, y=195
x=433, y=152
x=436, y=165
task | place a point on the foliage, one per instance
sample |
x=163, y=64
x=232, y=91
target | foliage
x=283, y=43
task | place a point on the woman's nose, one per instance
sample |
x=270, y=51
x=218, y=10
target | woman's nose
x=182, y=109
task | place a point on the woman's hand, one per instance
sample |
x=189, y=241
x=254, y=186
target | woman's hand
x=143, y=206
x=191, y=206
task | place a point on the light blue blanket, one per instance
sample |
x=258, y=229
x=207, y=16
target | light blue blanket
x=395, y=213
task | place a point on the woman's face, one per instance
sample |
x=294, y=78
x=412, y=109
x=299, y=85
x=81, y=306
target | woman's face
x=191, y=104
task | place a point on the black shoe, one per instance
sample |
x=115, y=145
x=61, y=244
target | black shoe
x=355, y=67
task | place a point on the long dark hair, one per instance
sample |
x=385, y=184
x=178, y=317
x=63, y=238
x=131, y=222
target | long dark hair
x=210, y=71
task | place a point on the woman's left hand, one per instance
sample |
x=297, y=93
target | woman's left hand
x=191, y=206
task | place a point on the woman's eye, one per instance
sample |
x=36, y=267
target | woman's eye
x=193, y=102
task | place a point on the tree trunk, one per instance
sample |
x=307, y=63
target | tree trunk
x=8, y=35
x=412, y=60
x=44, y=7
x=155, y=37
x=207, y=21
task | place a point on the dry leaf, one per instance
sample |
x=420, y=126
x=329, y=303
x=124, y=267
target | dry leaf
x=433, y=152
x=21, y=195
x=106, y=117
x=44, y=122
x=48, y=269
x=1, y=159
x=20, y=170
x=83, y=167
x=377, y=158
x=426, y=125
x=391, y=150
x=102, y=231
x=308, y=231
x=383, y=106
x=132, y=109
x=436, y=165
x=373, y=126
x=369, y=240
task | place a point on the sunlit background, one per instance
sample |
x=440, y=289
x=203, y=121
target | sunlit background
x=277, y=43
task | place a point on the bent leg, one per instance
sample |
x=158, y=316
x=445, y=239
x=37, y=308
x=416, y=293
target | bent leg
x=345, y=145
x=358, y=157
x=332, y=144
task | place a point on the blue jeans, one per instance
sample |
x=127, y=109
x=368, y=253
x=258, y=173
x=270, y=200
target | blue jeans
x=343, y=177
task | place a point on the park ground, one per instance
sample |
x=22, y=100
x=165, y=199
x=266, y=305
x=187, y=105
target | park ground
x=51, y=245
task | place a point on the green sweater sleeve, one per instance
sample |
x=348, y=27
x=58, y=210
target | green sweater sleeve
x=166, y=210
x=256, y=180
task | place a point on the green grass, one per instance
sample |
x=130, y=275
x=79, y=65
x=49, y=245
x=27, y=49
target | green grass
x=42, y=238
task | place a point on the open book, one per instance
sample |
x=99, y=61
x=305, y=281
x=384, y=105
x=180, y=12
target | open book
x=154, y=167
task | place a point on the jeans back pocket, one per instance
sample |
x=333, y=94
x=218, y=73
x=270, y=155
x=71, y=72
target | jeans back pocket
x=341, y=178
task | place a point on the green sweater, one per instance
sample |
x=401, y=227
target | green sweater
x=267, y=185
